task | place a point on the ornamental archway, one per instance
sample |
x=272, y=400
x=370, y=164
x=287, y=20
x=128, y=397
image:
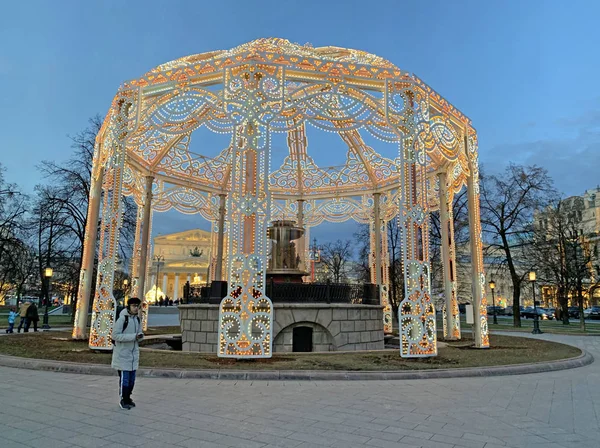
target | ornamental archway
x=252, y=93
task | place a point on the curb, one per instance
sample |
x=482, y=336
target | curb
x=308, y=375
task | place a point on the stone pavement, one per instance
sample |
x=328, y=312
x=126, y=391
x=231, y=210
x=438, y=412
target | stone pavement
x=548, y=410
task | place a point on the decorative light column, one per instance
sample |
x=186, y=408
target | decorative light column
x=377, y=231
x=379, y=262
x=301, y=242
x=165, y=284
x=219, y=262
x=144, y=249
x=406, y=111
x=89, y=253
x=246, y=314
x=480, y=328
x=451, y=313
x=104, y=306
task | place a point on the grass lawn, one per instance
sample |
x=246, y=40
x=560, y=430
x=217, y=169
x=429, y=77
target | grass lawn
x=505, y=350
x=547, y=326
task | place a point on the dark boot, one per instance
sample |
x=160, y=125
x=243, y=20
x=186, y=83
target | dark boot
x=129, y=401
x=124, y=403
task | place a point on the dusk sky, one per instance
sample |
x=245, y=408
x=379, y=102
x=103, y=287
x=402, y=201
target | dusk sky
x=525, y=72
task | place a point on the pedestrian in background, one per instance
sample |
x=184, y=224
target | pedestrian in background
x=12, y=315
x=32, y=317
x=23, y=314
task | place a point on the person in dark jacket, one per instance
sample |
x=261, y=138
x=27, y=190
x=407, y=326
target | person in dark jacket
x=32, y=317
x=127, y=331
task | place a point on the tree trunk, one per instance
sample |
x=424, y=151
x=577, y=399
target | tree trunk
x=581, y=316
x=580, y=304
x=564, y=308
x=516, y=305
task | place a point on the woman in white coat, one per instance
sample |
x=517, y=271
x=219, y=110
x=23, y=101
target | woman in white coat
x=127, y=331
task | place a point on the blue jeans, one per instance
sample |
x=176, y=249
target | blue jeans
x=23, y=322
x=11, y=325
x=126, y=383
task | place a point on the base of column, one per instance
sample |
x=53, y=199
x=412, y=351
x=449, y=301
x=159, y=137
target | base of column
x=79, y=335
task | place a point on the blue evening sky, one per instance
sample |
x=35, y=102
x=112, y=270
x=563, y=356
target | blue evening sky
x=526, y=72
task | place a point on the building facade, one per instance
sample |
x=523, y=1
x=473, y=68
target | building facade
x=178, y=258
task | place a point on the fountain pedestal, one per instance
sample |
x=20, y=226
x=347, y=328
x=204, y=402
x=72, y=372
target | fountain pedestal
x=284, y=262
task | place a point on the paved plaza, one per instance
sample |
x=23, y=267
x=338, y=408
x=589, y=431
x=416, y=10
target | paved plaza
x=549, y=410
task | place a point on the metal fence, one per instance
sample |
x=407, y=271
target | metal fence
x=365, y=294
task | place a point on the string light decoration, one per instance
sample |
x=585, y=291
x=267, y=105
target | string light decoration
x=250, y=93
x=451, y=316
x=104, y=306
x=482, y=337
x=385, y=274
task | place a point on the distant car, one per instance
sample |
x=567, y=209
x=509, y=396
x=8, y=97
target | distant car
x=499, y=310
x=508, y=311
x=529, y=313
x=527, y=310
x=551, y=313
x=594, y=312
x=574, y=312
x=586, y=313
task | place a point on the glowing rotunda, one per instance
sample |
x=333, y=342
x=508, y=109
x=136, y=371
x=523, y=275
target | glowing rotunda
x=407, y=151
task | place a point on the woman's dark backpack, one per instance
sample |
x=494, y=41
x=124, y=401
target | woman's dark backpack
x=124, y=325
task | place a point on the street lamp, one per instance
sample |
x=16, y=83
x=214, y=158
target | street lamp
x=159, y=259
x=315, y=257
x=536, y=318
x=47, y=275
x=492, y=287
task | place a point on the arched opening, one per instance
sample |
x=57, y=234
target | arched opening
x=302, y=339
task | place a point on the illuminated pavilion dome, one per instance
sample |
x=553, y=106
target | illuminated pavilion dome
x=231, y=132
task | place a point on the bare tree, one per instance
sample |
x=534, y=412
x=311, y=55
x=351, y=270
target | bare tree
x=72, y=181
x=23, y=265
x=508, y=202
x=335, y=257
x=564, y=253
x=362, y=237
x=48, y=218
x=13, y=230
x=395, y=271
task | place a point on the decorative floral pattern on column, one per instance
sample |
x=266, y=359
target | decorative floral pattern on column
x=253, y=95
x=406, y=110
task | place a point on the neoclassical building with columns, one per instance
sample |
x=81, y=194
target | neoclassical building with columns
x=184, y=257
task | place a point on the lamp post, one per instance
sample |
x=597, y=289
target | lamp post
x=315, y=257
x=47, y=275
x=536, y=318
x=492, y=287
x=159, y=259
